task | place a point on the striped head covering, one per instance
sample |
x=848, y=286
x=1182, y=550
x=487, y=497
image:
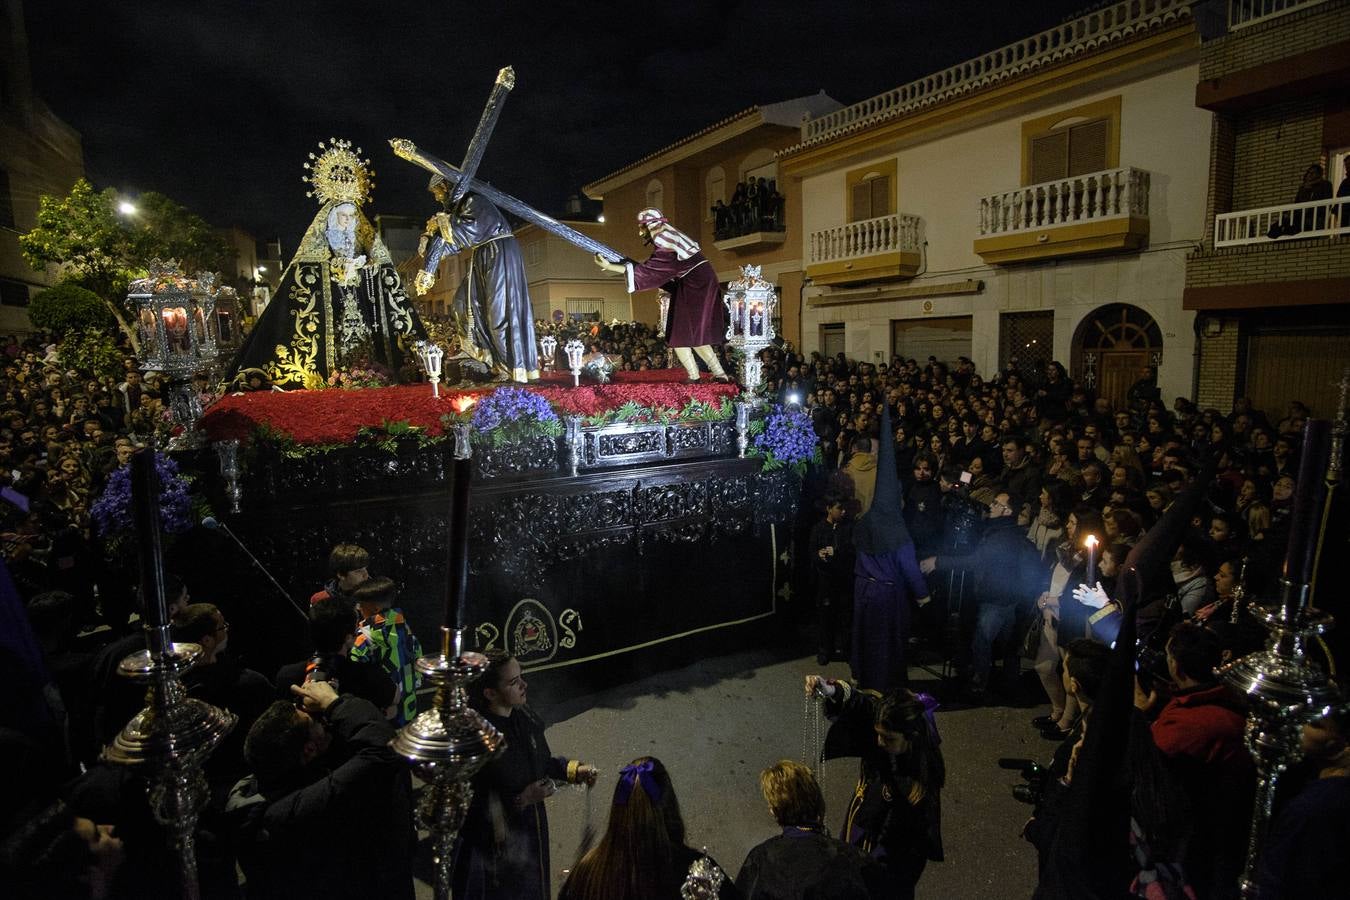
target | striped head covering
x=667, y=236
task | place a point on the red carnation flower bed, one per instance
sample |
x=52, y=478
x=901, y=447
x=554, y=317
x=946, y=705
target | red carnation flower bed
x=335, y=416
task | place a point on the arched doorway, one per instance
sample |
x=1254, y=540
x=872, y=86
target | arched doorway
x=1112, y=346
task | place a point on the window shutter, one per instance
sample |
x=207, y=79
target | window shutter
x=1087, y=147
x=1049, y=156
x=862, y=202
x=881, y=196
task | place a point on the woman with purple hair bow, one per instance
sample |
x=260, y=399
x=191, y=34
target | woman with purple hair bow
x=896, y=812
x=642, y=855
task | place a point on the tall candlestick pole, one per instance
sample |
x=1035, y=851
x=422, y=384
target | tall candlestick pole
x=456, y=600
x=1283, y=688
x=170, y=739
x=451, y=741
x=1309, y=493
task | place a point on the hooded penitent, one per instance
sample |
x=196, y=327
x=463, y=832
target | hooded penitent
x=882, y=529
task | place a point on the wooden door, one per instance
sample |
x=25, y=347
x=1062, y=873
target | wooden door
x=1117, y=371
x=831, y=340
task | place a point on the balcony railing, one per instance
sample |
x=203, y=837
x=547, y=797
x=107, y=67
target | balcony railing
x=1242, y=13
x=868, y=237
x=1066, y=201
x=1313, y=219
x=1110, y=24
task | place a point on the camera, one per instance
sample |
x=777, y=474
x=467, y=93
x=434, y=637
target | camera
x=1035, y=776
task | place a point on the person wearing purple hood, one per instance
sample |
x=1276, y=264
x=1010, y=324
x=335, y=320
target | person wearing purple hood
x=886, y=579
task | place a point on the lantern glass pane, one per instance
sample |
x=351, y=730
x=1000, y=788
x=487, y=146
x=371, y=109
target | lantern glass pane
x=176, y=330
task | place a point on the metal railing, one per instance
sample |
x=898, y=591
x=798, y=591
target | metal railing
x=868, y=237
x=1110, y=24
x=1313, y=219
x=1242, y=13
x=1067, y=201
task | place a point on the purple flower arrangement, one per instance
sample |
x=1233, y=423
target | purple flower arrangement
x=511, y=414
x=786, y=439
x=111, y=512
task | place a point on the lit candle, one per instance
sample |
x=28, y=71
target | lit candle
x=1091, y=544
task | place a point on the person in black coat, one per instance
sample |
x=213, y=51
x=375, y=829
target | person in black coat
x=327, y=811
x=896, y=813
x=1006, y=565
x=503, y=851
x=923, y=506
x=832, y=564
x=805, y=860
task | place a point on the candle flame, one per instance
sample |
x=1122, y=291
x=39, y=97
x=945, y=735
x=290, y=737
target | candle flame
x=1090, y=541
x=463, y=403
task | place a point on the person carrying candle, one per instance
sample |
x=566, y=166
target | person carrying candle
x=503, y=852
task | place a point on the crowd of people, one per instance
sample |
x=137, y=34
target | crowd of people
x=755, y=205
x=1014, y=487
x=956, y=511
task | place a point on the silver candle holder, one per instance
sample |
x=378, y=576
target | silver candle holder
x=169, y=740
x=446, y=746
x=1284, y=689
x=451, y=741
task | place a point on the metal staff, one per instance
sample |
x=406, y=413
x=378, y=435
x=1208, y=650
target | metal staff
x=1284, y=689
x=169, y=740
x=449, y=743
x=408, y=150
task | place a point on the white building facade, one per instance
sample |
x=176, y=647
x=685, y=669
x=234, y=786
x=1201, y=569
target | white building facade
x=1038, y=203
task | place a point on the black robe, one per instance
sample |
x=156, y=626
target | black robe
x=315, y=325
x=493, y=300
x=503, y=852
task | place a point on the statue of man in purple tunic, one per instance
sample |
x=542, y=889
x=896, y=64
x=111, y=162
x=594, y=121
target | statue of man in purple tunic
x=678, y=265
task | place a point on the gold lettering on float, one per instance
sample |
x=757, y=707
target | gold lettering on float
x=566, y=621
x=488, y=635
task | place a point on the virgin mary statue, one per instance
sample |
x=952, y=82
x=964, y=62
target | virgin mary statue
x=340, y=298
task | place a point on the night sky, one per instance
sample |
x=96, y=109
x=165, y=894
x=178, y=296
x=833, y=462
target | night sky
x=218, y=104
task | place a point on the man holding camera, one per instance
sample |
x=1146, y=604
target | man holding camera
x=1005, y=564
x=327, y=811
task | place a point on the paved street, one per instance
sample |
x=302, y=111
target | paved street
x=718, y=723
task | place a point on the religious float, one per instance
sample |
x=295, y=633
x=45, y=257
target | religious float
x=606, y=516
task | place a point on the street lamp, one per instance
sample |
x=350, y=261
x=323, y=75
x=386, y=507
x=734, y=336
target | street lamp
x=127, y=208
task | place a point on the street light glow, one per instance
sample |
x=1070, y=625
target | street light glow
x=127, y=208
x=600, y=218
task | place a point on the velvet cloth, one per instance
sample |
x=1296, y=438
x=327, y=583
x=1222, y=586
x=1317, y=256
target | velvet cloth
x=696, y=315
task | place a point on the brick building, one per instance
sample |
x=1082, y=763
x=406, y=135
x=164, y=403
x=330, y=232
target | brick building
x=1270, y=282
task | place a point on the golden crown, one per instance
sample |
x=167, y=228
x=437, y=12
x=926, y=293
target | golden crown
x=338, y=174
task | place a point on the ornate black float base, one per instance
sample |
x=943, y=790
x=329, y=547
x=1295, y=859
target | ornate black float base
x=564, y=570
